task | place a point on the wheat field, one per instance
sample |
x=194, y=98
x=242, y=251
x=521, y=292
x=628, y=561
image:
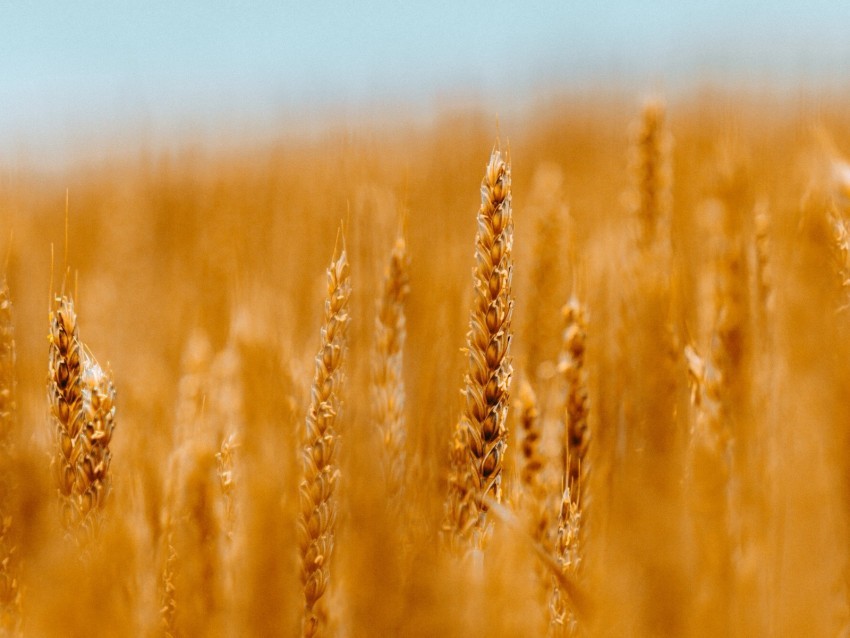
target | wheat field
x=583, y=372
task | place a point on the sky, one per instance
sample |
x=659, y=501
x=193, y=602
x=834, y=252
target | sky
x=74, y=73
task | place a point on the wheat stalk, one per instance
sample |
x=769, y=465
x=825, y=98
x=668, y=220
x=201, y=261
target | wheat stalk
x=650, y=166
x=576, y=408
x=480, y=437
x=387, y=370
x=529, y=436
x=317, y=517
x=568, y=550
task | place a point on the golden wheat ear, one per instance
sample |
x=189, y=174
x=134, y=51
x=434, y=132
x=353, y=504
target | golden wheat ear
x=317, y=517
x=576, y=405
x=479, y=444
x=388, y=395
x=651, y=173
x=65, y=394
x=94, y=478
x=82, y=406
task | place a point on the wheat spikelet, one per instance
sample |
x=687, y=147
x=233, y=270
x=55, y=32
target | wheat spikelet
x=225, y=466
x=387, y=370
x=577, y=439
x=10, y=592
x=480, y=438
x=317, y=517
x=563, y=621
x=535, y=503
x=650, y=165
x=65, y=393
x=232, y=545
x=81, y=397
x=529, y=435
x=536, y=492
x=93, y=475
x=226, y=413
x=576, y=406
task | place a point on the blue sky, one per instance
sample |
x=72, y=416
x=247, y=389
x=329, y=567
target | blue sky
x=71, y=70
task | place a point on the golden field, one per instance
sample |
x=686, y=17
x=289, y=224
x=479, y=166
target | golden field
x=704, y=259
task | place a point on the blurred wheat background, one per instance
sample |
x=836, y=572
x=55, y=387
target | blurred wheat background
x=574, y=365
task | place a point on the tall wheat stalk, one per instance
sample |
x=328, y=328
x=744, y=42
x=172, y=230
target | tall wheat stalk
x=387, y=369
x=317, y=517
x=576, y=410
x=479, y=443
x=576, y=406
x=650, y=166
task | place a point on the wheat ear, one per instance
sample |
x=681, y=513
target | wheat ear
x=65, y=392
x=576, y=407
x=480, y=438
x=651, y=171
x=388, y=381
x=568, y=550
x=82, y=404
x=317, y=518
x=94, y=479
x=529, y=423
